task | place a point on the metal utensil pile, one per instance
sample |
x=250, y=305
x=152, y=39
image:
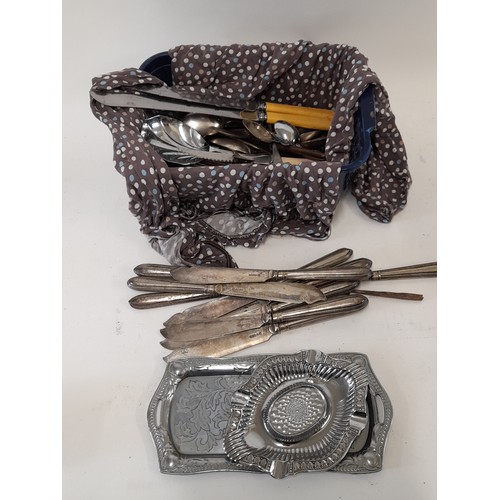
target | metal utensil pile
x=252, y=305
x=189, y=141
x=186, y=128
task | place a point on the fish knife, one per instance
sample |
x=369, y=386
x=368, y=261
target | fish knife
x=205, y=274
x=328, y=290
x=190, y=331
x=209, y=275
x=296, y=293
x=235, y=342
x=163, y=271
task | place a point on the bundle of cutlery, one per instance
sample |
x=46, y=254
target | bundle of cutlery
x=249, y=306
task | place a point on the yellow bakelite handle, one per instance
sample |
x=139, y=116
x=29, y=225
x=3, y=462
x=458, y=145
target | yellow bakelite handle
x=300, y=116
x=288, y=109
x=309, y=121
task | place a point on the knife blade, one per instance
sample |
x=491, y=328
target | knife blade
x=280, y=292
x=208, y=275
x=189, y=331
x=239, y=341
x=146, y=100
x=328, y=290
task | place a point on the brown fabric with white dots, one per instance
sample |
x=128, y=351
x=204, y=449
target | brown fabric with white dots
x=191, y=213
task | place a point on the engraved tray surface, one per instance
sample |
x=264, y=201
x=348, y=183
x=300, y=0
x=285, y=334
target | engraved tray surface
x=280, y=414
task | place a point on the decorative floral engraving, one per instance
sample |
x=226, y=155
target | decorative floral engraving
x=201, y=413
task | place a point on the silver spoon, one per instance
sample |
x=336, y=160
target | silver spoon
x=169, y=130
x=259, y=131
x=205, y=125
x=285, y=133
x=211, y=125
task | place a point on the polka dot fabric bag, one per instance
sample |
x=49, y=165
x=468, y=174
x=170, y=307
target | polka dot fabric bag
x=190, y=214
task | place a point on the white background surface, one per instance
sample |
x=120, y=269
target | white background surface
x=112, y=359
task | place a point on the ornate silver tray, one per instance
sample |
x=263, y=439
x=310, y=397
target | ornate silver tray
x=280, y=414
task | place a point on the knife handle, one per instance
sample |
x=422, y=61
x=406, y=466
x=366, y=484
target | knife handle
x=290, y=109
x=356, y=306
x=300, y=116
x=354, y=273
x=154, y=270
x=330, y=260
x=150, y=300
x=362, y=263
x=428, y=270
x=309, y=122
x=146, y=284
x=336, y=304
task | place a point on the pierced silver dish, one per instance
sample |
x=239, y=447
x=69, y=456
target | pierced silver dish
x=280, y=414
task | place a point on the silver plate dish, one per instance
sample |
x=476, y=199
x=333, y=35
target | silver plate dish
x=279, y=414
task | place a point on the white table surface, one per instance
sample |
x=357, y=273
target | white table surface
x=111, y=353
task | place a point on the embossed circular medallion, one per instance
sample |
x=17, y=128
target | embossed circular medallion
x=295, y=413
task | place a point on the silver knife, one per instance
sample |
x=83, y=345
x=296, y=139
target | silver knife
x=238, y=341
x=208, y=275
x=149, y=101
x=329, y=290
x=296, y=293
x=189, y=331
x=205, y=274
x=335, y=258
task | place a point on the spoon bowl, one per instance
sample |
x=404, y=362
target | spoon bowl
x=286, y=133
x=205, y=125
x=259, y=131
x=170, y=130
